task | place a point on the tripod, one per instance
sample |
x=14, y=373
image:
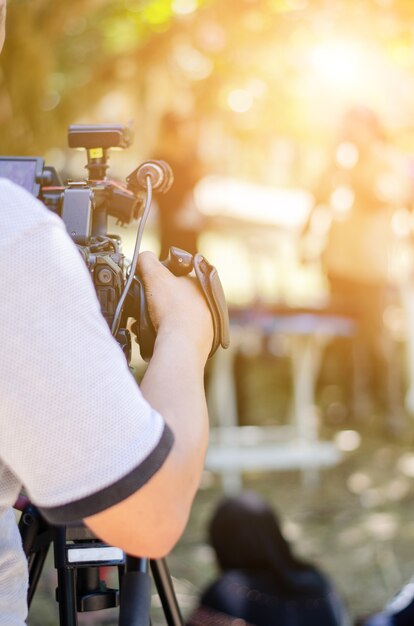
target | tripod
x=78, y=558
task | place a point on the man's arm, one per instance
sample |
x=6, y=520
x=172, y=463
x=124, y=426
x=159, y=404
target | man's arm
x=150, y=522
x=76, y=430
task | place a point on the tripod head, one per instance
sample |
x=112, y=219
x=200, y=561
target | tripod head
x=79, y=558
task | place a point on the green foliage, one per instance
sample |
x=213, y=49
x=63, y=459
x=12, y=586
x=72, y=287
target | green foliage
x=62, y=59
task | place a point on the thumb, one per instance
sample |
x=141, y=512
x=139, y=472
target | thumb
x=148, y=264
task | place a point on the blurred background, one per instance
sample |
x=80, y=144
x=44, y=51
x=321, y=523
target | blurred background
x=289, y=125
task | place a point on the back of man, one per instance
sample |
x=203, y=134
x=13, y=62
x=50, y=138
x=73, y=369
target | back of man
x=61, y=399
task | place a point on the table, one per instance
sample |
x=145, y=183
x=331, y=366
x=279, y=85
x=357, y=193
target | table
x=235, y=449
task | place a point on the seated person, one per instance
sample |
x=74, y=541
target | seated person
x=398, y=612
x=260, y=580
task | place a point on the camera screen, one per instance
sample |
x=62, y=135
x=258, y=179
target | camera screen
x=22, y=171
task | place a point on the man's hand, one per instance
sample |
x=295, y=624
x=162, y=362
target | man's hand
x=176, y=305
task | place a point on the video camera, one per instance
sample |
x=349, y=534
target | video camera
x=84, y=206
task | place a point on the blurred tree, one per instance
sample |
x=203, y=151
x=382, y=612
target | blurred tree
x=61, y=58
x=253, y=71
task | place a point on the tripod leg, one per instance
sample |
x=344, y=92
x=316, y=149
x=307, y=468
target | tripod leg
x=66, y=582
x=135, y=602
x=166, y=592
x=36, y=539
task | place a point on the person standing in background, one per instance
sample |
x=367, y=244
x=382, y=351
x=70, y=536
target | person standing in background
x=179, y=221
x=357, y=199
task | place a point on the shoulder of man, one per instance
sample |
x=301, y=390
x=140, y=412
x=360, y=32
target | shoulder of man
x=20, y=212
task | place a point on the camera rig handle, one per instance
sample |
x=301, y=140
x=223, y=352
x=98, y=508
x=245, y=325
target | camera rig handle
x=182, y=263
x=178, y=261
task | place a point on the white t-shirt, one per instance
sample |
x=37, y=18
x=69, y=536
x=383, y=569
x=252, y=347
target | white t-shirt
x=75, y=430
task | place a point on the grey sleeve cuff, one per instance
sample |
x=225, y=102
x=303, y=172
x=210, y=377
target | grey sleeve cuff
x=115, y=493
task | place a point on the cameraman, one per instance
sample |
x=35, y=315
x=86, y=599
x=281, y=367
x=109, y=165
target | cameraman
x=76, y=431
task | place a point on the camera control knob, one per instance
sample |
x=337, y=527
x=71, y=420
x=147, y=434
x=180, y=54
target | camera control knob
x=105, y=276
x=159, y=172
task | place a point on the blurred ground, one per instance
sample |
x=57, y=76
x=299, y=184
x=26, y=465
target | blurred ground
x=357, y=523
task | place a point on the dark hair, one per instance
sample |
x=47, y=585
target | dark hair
x=245, y=534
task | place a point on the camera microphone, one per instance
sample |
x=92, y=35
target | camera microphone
x=159, y=172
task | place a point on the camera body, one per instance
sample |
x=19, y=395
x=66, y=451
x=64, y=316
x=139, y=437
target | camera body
x=84, y=206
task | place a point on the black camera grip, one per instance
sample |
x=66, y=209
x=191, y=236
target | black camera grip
x=181, y=263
